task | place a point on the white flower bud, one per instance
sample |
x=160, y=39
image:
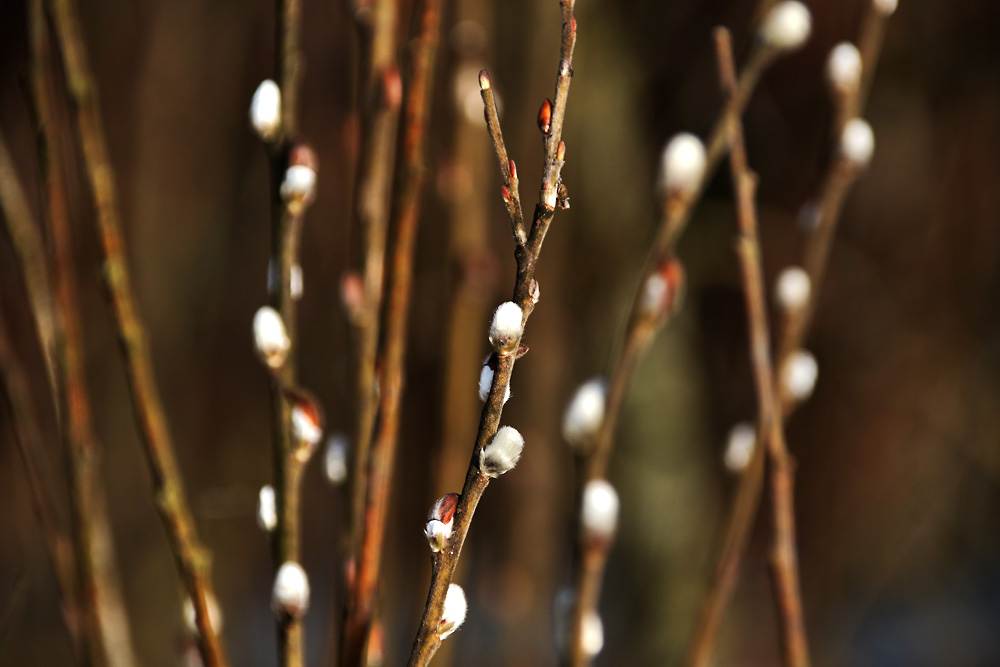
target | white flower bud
x=843, y=67
x=290, y=596
x=506, y=328
x=265, y=110
x=307, y=424
x=486, y=381
x=739, y=447
x=793, y=288
x=299, y=185
x=215, y=616
x=599, y=513
x=295, y=281
x=885, y=7
x=592, y=635
x=786, y=27
x=270, y=337
x=857, y=143
x=798, y=375
x=455, y=609
x=502, y=453
x=335, y=459
x=437, y=533
x=267, y=510
x=584, y=414
x=682, y=164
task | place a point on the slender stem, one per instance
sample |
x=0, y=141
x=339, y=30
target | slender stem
x=410, y=177
x=444, y=563
x=784, y=558
x=512, y=196
x=24, y=427
x=192, y=561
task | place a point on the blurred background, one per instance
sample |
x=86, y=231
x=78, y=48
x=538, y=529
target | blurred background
x=898, y=449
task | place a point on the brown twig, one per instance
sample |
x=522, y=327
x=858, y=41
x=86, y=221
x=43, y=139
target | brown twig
x=192, y=560
x=444, y=562
x=380, y=94
x=784, y=559
x=410, y=177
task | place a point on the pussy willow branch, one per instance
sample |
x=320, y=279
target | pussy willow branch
x=409, y=183
x=24, y=428
x=639, y=332
x=793, y=330
x=784, y=560
x=527, y=250
x=79, y=460
x=192, y=561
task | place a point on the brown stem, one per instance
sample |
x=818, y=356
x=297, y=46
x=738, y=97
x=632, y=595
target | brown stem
x=410, y=178
x=192, y=561
x=784, y=558
x=444, y=563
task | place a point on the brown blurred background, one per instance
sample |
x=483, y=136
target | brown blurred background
x=898, y=450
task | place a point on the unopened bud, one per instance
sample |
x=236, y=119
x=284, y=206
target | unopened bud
x=437, y=530
x=484, y=80
x=574, y=25
x=793, y=288
x=798, y=375
x=265, y=110
x=584, y=415
x=885, y=7
x=486, y=379
x=739, y=447
x=561, y=151
x=843, y=68
x=267, y=511
x=786, y=27
x=505, y=193
x=663, y=290
x=290, y=596
x=513, y=170
x=599, y=511
x=295, y=282
x=545, y=116
x=299, y=187
x=215, y=617
x=502, y=453
x=335, y=459
x=682, y=164
x=453, y=614
x=857, y=143
x=506, y=328
x=307, y=423
x=270, y=338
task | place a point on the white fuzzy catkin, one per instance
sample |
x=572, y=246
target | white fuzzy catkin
x=215, y=616
x=299, y=185
x=798, y=375
x=437, y=534
x=265, y=110
x=335, y=459
x=506, y=327
x=267, y=511
x=502, y=453
x=305, y=428
x=843, y=67
x=592, y=635
x=857, y=142
x=787, y=26
x=295, y=281
x=599, y=511
x=682, y=164
x=792, y=288
x=584, y=414
x=739, y=447
x=486, y=381
x=455, y=609
x=270, y=337
x=885, y=7
x=290, y=596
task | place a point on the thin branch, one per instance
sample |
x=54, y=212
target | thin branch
x=444, y=562
x=409, y=182
x=784, y=559
x=192, y=560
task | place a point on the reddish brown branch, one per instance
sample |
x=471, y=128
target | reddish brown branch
x=192, y=561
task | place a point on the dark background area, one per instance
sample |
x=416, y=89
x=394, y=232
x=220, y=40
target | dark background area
x=898, y=450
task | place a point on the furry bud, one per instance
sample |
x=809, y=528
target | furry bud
x=843, y=68
x=739, y=447
x=682, y=164
x=857, y=143
x=437, y=530
x=486, y=380
x=599, y=511
x=792, y=289
x=265, y=110
x=786, y=27
x=267, y=511
x=506, y=328
x=798, y=375
x=584, y=415
x=453, y=614
x=290, y=596
x=502, y=453
x=270, y=338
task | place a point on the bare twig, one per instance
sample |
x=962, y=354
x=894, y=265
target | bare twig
x=192, y=560
x=444, y=562
x=409, y=182
x=784, y=558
